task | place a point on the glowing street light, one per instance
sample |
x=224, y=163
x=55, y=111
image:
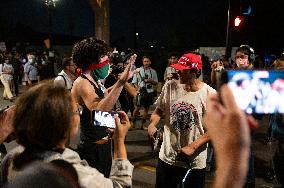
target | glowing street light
x=51, y=2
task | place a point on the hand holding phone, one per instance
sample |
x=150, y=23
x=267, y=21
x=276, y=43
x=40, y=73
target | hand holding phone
x=175, y=76
x=122, y=125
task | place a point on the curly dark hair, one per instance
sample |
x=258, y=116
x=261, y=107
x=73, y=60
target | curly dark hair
x=88, y=51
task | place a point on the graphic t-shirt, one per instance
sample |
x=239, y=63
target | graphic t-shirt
x=183, y=122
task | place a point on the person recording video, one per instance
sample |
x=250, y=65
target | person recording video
x=118, y=64
x=45, y=118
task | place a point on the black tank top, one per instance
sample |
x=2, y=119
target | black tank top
x=90, y=132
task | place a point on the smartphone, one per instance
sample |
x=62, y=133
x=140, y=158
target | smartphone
x=105, y=119
x=175, y=76
x=256, y=91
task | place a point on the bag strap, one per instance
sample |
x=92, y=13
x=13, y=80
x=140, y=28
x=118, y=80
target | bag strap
x=63, y=79
x=141, y=78
x=98, y=91
x=150, y=72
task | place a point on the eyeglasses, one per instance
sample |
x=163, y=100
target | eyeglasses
x=242, y=56
x=79, y=110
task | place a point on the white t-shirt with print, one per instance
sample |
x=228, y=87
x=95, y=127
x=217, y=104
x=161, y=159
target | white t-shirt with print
x=183, y=122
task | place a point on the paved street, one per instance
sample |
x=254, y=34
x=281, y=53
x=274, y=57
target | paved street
x=144, y=160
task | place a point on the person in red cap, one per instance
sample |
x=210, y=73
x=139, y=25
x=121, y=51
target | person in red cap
x=91, y=55
x=182, y=157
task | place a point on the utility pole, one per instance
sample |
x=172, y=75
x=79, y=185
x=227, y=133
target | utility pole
x=101, y=9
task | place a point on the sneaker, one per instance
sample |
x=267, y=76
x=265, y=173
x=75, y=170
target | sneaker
x=12, y=99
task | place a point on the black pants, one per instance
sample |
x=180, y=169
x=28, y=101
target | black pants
x=97, y=155
x=170, y=176
x=278, y=160
x=16, y=84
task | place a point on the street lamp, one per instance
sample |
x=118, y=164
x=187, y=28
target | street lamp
x=50, y=4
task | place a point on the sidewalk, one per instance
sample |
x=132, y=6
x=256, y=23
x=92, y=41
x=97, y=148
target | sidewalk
x=5, y=103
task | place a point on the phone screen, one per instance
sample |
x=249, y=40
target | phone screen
x=175, y=76
x=258, y=91
x=105, y=119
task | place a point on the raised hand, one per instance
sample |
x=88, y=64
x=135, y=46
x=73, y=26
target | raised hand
x=129, y=70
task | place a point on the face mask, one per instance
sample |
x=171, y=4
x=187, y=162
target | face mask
x=31, y=60
x=219, y=68
x=101, y=73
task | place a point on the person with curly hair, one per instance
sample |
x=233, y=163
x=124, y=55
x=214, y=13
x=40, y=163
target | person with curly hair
x=91, y=55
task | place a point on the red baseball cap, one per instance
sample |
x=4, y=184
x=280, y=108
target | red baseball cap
x=188, y=61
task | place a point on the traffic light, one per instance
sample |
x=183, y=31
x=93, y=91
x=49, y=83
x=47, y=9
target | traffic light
x=238, y=20
x=246, y=7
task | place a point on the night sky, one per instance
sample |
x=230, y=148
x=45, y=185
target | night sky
x=162, y=23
